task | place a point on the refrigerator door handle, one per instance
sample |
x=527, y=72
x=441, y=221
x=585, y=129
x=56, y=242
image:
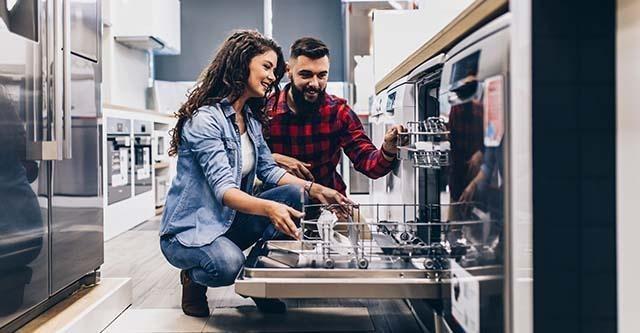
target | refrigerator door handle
x=66, y=78
x=58, y=78
x=39, y=145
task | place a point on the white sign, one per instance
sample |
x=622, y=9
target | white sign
x=465, y=298
x=493, y=111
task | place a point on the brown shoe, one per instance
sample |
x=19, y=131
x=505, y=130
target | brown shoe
x=194, y=297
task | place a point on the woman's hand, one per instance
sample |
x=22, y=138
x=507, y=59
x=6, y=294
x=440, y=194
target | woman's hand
x=282, y=218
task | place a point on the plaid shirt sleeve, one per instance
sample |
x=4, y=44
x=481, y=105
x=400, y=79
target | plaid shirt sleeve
x=358, y=147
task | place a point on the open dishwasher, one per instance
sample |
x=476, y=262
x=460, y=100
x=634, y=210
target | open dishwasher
x=360, y=257
x=388, y=249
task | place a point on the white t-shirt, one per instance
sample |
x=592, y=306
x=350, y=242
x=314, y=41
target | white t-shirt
x=248, y=154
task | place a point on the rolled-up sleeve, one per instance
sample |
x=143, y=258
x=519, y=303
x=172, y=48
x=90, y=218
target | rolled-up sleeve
x=205, y=137
x=267, y=170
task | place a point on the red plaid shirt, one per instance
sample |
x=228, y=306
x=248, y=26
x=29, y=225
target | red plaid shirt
x=318, y=138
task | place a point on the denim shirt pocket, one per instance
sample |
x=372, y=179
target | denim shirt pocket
x=231, y=147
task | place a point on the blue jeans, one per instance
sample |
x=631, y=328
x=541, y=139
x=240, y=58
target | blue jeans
x=217, y=264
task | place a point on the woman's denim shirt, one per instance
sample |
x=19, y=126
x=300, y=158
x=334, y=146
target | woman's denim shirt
x=210, y=163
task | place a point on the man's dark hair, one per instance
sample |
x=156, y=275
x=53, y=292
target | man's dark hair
x=309, y=47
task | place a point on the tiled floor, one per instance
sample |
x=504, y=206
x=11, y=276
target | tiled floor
x=156, y=299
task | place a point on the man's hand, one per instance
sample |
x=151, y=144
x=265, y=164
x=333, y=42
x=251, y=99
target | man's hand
x=329, y=196
x=390, y=144
x=294, y=167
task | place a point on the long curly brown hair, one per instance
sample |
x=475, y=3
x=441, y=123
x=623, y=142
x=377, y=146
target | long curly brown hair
x=226, y=76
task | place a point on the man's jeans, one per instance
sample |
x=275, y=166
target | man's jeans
x=218, y=263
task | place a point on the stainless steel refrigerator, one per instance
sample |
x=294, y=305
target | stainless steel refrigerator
x=51, y=215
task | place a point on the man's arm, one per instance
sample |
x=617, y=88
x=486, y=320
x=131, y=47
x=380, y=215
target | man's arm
x=295, y=167
x=366, y=158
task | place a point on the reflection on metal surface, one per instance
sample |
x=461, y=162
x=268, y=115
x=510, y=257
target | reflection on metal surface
x=23, y=223
x=22, y=228
x=50, y=209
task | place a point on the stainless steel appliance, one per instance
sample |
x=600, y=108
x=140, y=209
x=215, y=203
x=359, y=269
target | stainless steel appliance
x=399, y=109
x=377, y=123
x=143, y=157
x=474, y=100
x=118, y=160
x=50, y=186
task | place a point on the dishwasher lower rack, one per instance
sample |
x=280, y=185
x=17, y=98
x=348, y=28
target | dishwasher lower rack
x=342, y=236
x=355, y=257
x=383, y=280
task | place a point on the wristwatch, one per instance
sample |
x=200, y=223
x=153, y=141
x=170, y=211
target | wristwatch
x=307, y=186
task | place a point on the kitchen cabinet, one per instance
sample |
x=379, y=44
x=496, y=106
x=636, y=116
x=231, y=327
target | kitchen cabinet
x=147, y=24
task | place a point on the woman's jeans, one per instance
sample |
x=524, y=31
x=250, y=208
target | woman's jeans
x=218, y=263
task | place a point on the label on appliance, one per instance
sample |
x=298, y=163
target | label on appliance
x=493, y=111
x=465, y=298
x=120, y=167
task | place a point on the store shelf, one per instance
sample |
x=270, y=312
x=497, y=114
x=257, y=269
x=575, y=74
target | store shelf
x=478, y=13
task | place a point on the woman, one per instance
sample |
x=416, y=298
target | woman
x=210, y=216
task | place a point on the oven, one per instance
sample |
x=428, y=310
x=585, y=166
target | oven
x=118, y=160
x=143, y=158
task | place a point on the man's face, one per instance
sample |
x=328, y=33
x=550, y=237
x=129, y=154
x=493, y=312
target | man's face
x=309, y=79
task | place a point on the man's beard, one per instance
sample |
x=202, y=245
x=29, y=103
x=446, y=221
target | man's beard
x=302, y=105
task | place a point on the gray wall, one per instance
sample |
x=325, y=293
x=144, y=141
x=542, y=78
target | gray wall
x=205, y=25
x=321, y=19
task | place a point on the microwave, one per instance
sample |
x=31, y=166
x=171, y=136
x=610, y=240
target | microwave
x=161, y=145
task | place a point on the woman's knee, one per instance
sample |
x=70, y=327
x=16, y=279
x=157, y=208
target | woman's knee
x=222, y=268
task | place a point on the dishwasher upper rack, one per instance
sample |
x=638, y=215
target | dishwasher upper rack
x=425, y=143
x=362, y=240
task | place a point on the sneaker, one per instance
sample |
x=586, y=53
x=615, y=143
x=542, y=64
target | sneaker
x=194, y=297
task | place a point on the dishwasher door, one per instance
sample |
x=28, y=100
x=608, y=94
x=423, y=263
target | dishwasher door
x=383, y=279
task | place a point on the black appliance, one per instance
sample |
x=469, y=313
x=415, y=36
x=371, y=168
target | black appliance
x=118, y=160
x=143, y=158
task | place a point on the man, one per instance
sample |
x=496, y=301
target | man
x=309, y=128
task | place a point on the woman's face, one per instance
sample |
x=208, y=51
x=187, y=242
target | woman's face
x=261, y=74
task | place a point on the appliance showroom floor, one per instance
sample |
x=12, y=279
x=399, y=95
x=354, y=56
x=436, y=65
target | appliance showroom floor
x=156, y=299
